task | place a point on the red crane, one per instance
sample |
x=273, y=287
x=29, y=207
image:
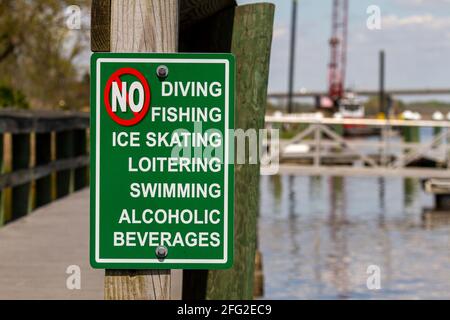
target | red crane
x=338, y=46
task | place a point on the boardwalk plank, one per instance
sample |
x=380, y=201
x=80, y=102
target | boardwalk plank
x=35, y=252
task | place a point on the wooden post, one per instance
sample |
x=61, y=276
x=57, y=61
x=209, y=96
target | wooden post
x=291, y=72
x=381, y=94
x=317, y=143
x=139, y=26
x=411, y=134
x=258, y=286
x=43, y=157
x=20, y=160
x=81, y=174
x=64, y=150
x=100, y=25
x=246, y=31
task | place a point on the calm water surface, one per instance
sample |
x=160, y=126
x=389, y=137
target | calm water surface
x=318, y=235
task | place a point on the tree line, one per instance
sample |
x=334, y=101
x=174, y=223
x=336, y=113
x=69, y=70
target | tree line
x=39, y=55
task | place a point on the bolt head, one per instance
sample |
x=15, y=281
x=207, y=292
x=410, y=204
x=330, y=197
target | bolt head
x=162, y=72
x=161, y=252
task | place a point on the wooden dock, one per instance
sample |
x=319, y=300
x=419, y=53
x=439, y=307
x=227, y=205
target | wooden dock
x=36, y=250
x=307, y=170
x=319, y=149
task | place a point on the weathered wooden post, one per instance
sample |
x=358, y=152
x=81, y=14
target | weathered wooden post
x=258, y=286
x=381, y=94
x=246, y=31
x=411, y=134
x=20, y=160
x=43, y=157
x=136, y=26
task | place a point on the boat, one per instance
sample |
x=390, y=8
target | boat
x=349, y=107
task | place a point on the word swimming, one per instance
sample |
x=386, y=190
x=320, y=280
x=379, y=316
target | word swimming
x=175, y=190
x=191, y=89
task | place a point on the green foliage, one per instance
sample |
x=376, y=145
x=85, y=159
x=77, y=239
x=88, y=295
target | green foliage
x=372, y=106
x=297, y=107
x=425, y=108
x=430, y=106
x=10, y=98
x=38, y=53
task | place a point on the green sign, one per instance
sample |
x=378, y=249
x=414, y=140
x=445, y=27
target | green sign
x=162, y=182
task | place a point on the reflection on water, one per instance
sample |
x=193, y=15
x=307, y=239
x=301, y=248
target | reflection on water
x=318, y=235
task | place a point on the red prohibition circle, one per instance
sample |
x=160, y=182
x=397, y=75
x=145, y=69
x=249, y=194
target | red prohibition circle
x=138, y=116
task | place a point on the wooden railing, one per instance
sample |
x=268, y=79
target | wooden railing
x=44, y=156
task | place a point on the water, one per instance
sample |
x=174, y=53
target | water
x=318, y=235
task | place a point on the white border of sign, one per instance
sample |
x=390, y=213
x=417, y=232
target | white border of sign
x=97, y=162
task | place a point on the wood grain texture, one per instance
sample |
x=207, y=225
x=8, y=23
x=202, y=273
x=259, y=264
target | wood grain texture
x=250, y=43
x=100, y=25
x=142, y=26
x=191, y=12
x=137, y=284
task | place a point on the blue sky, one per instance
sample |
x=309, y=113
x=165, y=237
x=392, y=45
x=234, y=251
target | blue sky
x=415, y=35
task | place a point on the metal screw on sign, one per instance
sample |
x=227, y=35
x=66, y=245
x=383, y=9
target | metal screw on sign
x=161, y=252
x=162, y=72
